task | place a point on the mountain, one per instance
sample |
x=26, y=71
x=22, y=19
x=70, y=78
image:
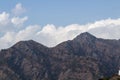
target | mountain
x=83, y=58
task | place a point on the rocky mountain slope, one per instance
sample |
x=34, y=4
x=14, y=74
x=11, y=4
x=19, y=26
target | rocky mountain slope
x=114, y=77
x=83, y=58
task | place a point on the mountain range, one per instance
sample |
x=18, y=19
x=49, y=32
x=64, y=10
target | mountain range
x=83, y=58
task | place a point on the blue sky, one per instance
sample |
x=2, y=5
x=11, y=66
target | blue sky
x=65, y=12
x=51, y=22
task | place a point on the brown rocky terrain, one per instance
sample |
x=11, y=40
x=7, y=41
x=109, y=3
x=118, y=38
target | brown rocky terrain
x=83, y=58
x=114, y=77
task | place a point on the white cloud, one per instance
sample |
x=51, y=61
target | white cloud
x=18, y=21
x=27, y=33
x=4, y=18
x=7, y=40
x=10, y=22
x=51, y=35
x=19, y=9
x=5, y=24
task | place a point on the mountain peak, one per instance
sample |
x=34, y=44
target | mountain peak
x=24, y=42
x=28, y=43
x=85, y=36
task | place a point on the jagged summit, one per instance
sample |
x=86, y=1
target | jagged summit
x=23, y=43
x=85, y=36
x=28, y=43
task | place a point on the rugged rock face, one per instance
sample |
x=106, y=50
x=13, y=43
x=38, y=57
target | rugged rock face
x=83, y=58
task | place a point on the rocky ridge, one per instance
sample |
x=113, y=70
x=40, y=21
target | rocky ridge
x=83, y=58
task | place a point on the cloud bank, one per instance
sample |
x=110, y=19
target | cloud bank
x=18, y=10
x=18, y=21
x=13, y=30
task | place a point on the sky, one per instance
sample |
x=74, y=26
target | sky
x=51, y=22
